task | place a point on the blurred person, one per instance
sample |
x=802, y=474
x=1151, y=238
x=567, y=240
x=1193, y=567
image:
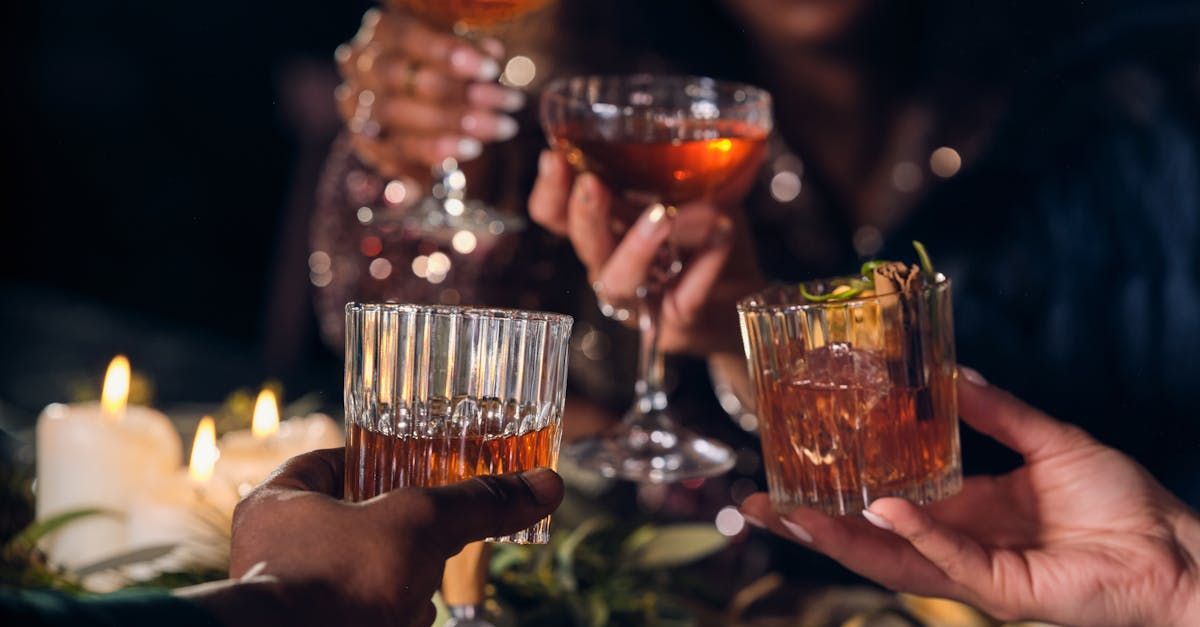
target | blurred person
x=303, y=556
x=1080, y=534
x=1047, y=156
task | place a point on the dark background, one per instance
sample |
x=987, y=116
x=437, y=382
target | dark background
x=154, y=151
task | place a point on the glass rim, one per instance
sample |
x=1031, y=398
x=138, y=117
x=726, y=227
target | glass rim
x=755, y=95
x=464, y=311
x=748, y=304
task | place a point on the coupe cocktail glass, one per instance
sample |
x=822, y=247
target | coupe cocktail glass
x=659, y=142
x=856, y=398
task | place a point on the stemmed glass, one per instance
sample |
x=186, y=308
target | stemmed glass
x=659, y=142
x=447, y=205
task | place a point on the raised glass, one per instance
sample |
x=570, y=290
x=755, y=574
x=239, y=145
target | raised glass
x=856, y=398
x=437, y=394
x=659, y=142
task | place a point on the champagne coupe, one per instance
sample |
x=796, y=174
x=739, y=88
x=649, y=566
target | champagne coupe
x=659, y=142
x=447, y=206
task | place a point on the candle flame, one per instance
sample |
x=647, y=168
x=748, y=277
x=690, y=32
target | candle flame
x=204, y=451
x=115, y=394
x=266, y=415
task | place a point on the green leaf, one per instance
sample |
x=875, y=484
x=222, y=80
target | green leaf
x=868, y=268
x=677, y=545
x=136, y=556
x=923, y=255
x=508, y=556
x=39, y=529
x=564, y=555
x=638, y=539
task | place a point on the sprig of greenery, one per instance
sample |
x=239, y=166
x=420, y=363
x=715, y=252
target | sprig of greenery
x=866, y=279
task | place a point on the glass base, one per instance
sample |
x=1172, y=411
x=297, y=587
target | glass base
x=650, y=447
x=468, y=616
x=936, y=488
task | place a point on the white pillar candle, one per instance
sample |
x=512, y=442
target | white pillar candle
x=99, y=455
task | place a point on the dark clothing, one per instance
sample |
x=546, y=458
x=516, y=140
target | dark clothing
x=123, y=609
x=1073, y=243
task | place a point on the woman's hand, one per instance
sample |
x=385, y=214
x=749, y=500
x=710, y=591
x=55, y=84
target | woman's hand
x=414, y=96
x=1080, y=535
x=719, y=266
x=303, y=556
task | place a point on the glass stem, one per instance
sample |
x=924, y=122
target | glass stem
x=651, y=397
x=453, y=182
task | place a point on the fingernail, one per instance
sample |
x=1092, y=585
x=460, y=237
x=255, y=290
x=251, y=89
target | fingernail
x=488, y=70
x=342, y=53
x=651, y=220
x=468, y=148
x=506, y=128
x=972, y=375
x=543, y=483
x=544, y=161
x=795, y=529
x=581, y=195
x=512, y=100
x=754, y=521
x=371, y=16
x=877, y=520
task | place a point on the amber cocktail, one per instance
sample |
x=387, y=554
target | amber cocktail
x=856, y=396
x=435, y=395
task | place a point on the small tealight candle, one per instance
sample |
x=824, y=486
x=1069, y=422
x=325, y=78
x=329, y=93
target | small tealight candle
x=99, y=455
x=248, y=457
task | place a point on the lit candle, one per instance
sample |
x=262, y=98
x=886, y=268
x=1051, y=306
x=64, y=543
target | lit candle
x=247, y=457
x=182, y=510
x=99, y=455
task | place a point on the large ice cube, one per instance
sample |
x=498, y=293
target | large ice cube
x=840, y=366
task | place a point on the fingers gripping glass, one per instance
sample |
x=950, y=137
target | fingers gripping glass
x=659, y=142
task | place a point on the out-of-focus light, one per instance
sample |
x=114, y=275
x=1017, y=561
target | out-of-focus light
x=395, y=192
x=454, y=206
x=785, y=186
x=730, y=522
x=365, y=215
x=371, y=246
x=439, y=263
x=867, y=240
x=464, y=242
x=945, y=162
x=450, y=296
x=456, y=179
x=906, y=176
x=380, y=268
x=519, y=71
x=319, y=262
x=320, y=279
x=420, y=266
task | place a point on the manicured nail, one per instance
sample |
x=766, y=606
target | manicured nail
x=489, y=70
x=543, y=483
x=506, y=128
x=795, y=529
x=972, y=375
x=544, y=160
x=754, y=521
x=342, y=53
x=512, y=100
x=581, y=194
x=651, y=220
x=468, y=148
x=877, y=520
x=468, y=62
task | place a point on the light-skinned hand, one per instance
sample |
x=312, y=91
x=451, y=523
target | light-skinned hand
x=1079, y=535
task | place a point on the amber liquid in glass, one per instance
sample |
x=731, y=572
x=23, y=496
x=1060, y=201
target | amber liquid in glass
x=845, y=443
x=389, y=462
x=468, y=14
x=652, y=164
